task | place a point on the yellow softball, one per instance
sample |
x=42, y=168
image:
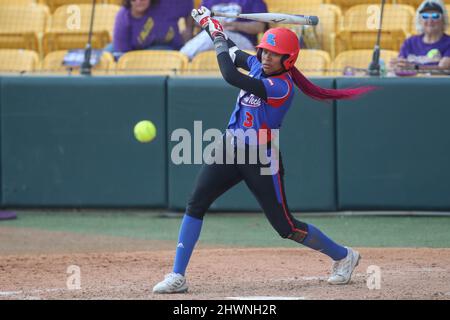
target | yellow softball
x=145, y=131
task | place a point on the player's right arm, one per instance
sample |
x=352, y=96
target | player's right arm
x=239, y=57
x=273, y=91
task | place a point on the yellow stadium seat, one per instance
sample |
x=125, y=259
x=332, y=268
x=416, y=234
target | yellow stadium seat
x=18, y=2
x=53, y=63
x=361, y=26
x=54, y=4
x=313, y=62
x=346, y=4
x=204, y=64
x=18, y=61
x=22, y=26
x=116, y=2
x=414, y=3
x=359, y=59
x=152, y=62
x=330, y=20
x=70, y=27
x=286, y=6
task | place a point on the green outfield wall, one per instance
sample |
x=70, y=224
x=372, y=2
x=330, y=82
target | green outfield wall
x=393, y=150
x=68, y=142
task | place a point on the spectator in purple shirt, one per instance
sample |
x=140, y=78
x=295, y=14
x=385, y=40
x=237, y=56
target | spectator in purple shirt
x=242, y=32
x=151, y=24
x=428, y=52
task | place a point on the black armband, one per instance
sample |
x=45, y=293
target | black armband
x=221, y=45
x=238, y=57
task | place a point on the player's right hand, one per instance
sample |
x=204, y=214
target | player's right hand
x=216, y=29
x=201, y=16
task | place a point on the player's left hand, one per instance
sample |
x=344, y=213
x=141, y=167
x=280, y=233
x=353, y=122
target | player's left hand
x=201, y=16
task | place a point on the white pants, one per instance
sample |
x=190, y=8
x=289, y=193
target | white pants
x=202, y=42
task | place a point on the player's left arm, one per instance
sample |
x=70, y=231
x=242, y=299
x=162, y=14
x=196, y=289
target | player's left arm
x=238, y=56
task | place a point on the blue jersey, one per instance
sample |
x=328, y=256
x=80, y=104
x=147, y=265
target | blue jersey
x=252, y=112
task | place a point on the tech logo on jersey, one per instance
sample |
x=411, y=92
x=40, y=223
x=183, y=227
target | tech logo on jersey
x=250, y=100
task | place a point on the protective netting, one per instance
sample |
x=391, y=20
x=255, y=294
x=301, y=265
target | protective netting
x=149, y=37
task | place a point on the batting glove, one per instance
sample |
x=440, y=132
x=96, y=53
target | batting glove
x=201, y=16
x=216, y=29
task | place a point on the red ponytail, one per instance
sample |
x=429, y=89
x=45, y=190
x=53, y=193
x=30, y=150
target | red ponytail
x=319, y=93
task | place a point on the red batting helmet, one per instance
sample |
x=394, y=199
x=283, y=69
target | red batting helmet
x=281, y=41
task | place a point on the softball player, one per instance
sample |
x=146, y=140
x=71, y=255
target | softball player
x=265, y=97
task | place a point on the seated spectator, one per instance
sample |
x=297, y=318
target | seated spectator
x=242, y=32
x=429, y=51
x=151, y=25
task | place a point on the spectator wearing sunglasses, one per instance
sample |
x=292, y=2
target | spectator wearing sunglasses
x=428, y=52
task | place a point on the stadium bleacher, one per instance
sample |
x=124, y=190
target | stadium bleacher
x=70, y=27
x=53, y=64
x=48, y=28
x=152, y=62
x=22, y=26
x=313, y=62
x=18, y=61
x=357, y=59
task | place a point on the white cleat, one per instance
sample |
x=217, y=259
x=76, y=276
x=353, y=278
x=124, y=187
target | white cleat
x=172, y=283
x=343, y=269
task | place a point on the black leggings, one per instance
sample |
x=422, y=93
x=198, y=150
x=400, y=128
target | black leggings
x=215, y=179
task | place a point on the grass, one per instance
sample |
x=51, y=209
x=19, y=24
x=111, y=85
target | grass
x=242, y=229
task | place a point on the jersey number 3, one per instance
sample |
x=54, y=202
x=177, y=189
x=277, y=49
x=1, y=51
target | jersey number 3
x=248, y=123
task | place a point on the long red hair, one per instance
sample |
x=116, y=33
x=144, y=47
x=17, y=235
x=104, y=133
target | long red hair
x=319, y=93
x=284, y=41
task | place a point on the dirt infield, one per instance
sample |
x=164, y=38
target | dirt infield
x=33, y=265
